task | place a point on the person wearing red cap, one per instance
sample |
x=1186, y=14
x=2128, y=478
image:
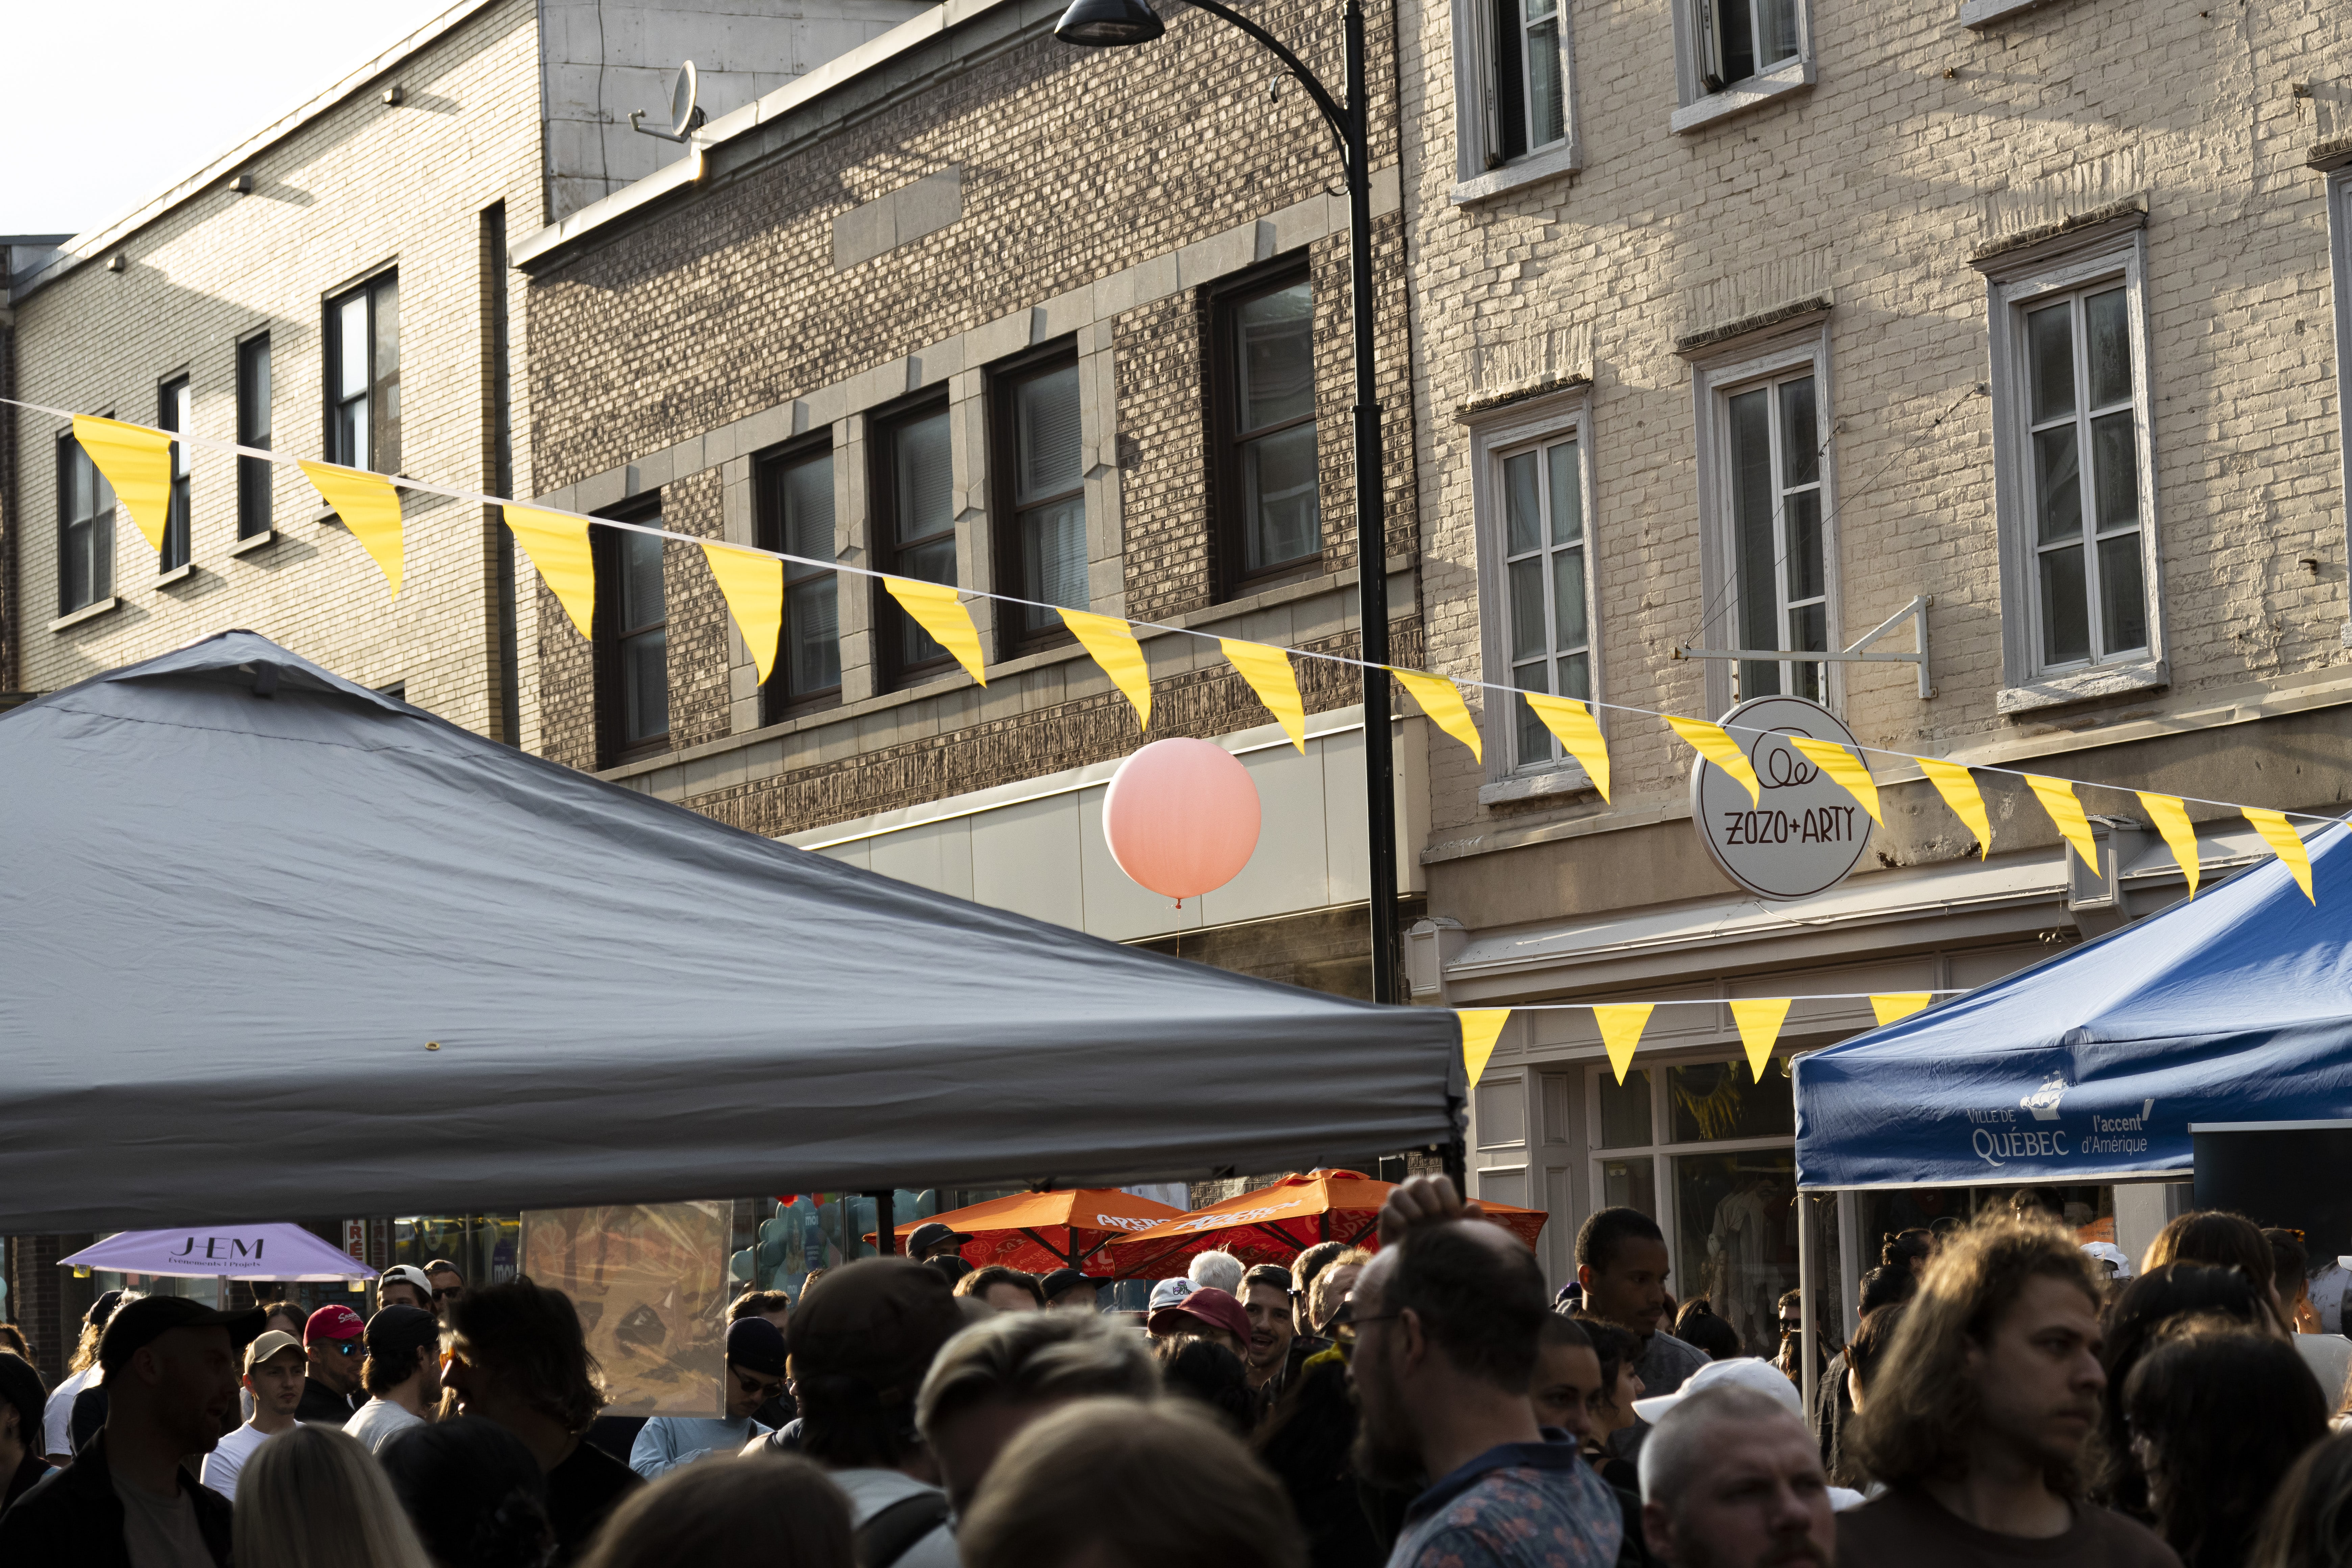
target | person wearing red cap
x=1207, y=1313
x=333, y=1341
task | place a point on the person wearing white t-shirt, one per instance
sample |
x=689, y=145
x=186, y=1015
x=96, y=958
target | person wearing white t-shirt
x=402, y=1375
x=57, y=1416
x=274, y=1368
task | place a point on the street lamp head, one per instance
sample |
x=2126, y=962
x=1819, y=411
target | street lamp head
x=1109, y=23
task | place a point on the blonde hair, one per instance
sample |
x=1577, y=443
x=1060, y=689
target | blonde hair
x=312, y=1497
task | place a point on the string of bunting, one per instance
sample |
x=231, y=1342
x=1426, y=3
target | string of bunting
x=136, y=460
x=1621, y=1024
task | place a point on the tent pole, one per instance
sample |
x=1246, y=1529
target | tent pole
x=1457, y=1150
x=885, y=1220
x=1809, y=1335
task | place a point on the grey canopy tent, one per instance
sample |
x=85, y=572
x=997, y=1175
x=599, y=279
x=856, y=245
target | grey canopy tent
x=276, y=944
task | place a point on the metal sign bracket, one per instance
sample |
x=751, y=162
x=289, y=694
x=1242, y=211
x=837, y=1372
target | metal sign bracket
x=1915, y=612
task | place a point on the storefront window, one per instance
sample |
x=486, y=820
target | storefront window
x=1735, y=1221
x=484, y=1246
x=1625, y=1110
x=1717, y=1101
x=1630, y=1184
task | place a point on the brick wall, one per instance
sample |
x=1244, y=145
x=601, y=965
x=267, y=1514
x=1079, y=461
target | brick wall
x=46, y=1302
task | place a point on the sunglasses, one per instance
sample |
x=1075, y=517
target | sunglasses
x=348, y=1348
x=451, y=1294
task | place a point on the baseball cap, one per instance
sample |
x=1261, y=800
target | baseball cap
x=394, y=1329
x=335, y=1322
x=139, y=1324
x=269, y=1345
x=1061, y=1279
x=1739, y=1371
x=925, y=1237
x=1208, y=1305
x=757, y=1343
x=408, y=1273
x=1167, y=1292
x=2114, y=1257
x=878, y=1321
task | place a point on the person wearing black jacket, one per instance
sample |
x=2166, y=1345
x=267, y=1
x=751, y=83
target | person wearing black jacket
x=171, y=1367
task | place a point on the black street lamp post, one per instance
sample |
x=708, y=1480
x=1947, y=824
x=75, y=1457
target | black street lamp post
x=1119, y=23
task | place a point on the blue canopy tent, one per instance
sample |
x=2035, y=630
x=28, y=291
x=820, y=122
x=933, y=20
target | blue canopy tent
x=2234, y=1006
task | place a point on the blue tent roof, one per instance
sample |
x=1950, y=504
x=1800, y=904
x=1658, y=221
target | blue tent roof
x=2234, y=1006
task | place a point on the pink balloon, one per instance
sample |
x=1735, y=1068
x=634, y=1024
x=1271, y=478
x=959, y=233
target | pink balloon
x=1181, y=817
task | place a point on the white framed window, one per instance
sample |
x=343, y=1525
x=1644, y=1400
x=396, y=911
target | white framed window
x=2340, y=250
x=1515, y=120
x=1768, y=554
x=1531, y=492
x=1733, y=55
x=2074, y=473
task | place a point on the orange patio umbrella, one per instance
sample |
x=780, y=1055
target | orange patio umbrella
x=1275, y=1224
x=1040, y=1232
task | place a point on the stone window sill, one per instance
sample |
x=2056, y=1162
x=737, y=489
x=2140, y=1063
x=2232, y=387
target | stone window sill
x=87, y=613
x=1796, y=75
x=1535, y=787
x=253, y=541
x=1985, y=13
x=176, y=574
x=1530, y=170
x=2084, y=686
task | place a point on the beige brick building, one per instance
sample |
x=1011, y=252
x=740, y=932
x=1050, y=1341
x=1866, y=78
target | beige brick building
x=1742, y=323
x=970, y=306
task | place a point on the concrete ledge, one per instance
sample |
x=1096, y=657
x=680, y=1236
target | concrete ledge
x=2084, y=686
x=176, y=574
x=87, y=613
x=253, y=541
x=1758, y=90
x=1531, y=170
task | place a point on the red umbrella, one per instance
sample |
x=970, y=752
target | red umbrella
x=1275, y=1224
x=1040, y=1232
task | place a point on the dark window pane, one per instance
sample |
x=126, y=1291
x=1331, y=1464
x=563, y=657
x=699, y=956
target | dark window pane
x=1277, y=346
x=1526, y=608
x=1510, y=100
x=2057, y=485
x=932, y=562
x=813, y=633
x=2050, y=360
x=352, y=347
x=1281, y=508
x=1803, y=516
x=1809, y=628
x=641, y=580
x=1054, y=560
x=1780, y=31
x=924, y=503
x=1631, y=1184
x=1626, y=1110
x=1547, y=95
x=1752, y=494
x=2066, y=607
x=1736, y=1225
x=384, y=390
x=1568, y=600
x=2123, y=596
x=808, y=511
x=2115, y=473
x=1522, y=506
x=1737, y=34
x=1718, y=1101
x=253, y=429
x=1576, y=676
x=1046, y=435
x=1535, y=743
x=1800, y=439
x=1567, y=495
x=645, y=686
x=2103, y=320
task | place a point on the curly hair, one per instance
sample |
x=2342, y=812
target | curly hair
x=1923, y=1404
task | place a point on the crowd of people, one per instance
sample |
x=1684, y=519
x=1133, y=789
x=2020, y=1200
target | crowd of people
x=2008, y=1395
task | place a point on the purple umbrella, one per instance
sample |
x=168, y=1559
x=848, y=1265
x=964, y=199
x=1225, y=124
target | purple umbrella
x=231, y=1252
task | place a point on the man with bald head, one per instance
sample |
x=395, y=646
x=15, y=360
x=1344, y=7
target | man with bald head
x=1446, y=1320
x=1731, y=1478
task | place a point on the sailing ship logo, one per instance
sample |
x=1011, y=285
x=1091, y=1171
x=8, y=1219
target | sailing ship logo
x=2044, y=1102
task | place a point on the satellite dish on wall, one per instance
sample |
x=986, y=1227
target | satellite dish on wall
x=685, y=117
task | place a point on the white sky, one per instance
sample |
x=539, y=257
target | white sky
x=92, y=125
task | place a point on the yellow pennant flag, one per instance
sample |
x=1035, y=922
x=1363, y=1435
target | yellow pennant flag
x=2172, y=820
x=2057, y=799
x=1480, y=1027
x=939, y=610
x=1441, y=700
x=2286, y=843
x=368, y=506
x=1268, y=672
x=1760, y=1019
x=1960, y=792
x=1573, y=726
x=1112, y=642
x=1898, y=1005
x=137, y=463
x=1622, y=1023
x=1844, y=768
x=754, y=586
x=1710, y=742
x=558, y=546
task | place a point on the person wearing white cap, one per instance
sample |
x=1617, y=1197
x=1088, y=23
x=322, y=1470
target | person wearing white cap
x=2118, y=1264
x=403, y=1285
x=1730, y=1477
x=1740, y=1371
x=275, y=1366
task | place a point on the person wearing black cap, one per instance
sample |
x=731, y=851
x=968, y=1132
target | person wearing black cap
x=401, y=1372
x=170, y=1368
x=1069, y=1291
x=21, y=1397
x=932, y=1240
x=754, y=1375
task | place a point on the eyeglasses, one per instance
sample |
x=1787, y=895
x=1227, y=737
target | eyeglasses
x=1343, y=1330
x=450, y=1294
x=349, y=1348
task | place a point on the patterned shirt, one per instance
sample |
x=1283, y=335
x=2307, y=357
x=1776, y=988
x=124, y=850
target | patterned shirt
x=1519, y=1505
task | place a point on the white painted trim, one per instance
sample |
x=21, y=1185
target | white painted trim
x=1985, y=13
x=1796, y=75
x=2084, y=685
x=1474, y=56
x=2339, y=252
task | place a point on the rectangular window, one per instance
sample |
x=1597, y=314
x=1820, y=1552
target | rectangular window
x=1744, y=38
x=914, y=525
x=1528, y=90
x=1041, y=501
x=635, y=702
x=363, y=376
x=1264, y=366
x=1544, y=562
x=796, y=517
x=172, y=408
x=1774, y=461
x=253, y=499
x=2090, y=596
x=85, y=530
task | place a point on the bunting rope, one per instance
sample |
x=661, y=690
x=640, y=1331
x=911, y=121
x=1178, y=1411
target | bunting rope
x=1760, y=1020
x=136, y=459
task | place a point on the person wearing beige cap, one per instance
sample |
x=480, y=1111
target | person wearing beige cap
x=274, y=1365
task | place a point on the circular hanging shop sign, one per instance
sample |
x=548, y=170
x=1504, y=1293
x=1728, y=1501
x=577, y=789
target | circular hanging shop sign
x=1805, y=833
